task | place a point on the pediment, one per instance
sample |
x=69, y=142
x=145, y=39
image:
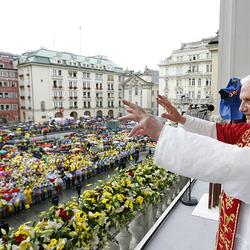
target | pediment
x=134, y=81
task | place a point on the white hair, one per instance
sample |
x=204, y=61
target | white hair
x=245, y=80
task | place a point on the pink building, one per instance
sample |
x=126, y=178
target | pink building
x=9, y=94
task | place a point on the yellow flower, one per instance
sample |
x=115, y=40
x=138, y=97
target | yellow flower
x=104, y=201
x=128, y=182
x=120, y=197
x=79, y=219
x=97, y=214
x=108, y=207
x=52, y=243
x=129, y=204
x=107, y=194
x=25, y=245
x=139, y=200
x=78, y=214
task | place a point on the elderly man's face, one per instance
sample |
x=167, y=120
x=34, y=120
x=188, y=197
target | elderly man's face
x=245, y=98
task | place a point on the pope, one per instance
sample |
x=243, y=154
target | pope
x=210, y=152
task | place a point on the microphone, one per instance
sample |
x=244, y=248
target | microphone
x=209, y=107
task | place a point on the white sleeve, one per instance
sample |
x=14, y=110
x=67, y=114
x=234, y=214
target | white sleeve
x=199, y=126
x=205, y=158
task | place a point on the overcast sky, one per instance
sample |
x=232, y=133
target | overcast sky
x=132, y=33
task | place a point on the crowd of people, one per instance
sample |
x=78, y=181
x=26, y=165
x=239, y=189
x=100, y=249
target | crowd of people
x=34, y=170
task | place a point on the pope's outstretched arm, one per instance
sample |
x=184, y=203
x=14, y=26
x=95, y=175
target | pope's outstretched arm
x=194, y=155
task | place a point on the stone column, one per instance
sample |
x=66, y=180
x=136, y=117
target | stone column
x=234, y=40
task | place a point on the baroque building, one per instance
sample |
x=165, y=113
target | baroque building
x=142, y=89
x=186, y=76
x=61, y=84
x=9, y=99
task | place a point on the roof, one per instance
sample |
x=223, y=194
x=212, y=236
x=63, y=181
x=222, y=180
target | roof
x=45, y=56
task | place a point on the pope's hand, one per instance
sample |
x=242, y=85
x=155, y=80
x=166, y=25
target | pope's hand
x=171, y=112
x=147, y=124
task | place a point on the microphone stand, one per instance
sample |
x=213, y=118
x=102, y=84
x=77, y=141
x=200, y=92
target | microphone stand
x=187, y=199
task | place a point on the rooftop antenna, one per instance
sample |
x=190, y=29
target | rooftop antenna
x=80, y=30
x=54, y=41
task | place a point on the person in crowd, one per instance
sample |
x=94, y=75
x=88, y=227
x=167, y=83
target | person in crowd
x=78, y=189
x=55, y=200
x=28, y=194
x=192, y=150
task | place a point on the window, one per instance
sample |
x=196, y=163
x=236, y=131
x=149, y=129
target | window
x=136, y=91
x=43, y=106
x=98, y=77
x=208, y=82
x=1, y=66
x=57, y=72
x=14, y=106
x=110, y=78
x=14, y=84
x=55, y=84
x=59, y=83
x=193, y=82
x=72, y=74
x=12, y=95
x=189, y=81
x=199, y=82
x=120, y=78
x=86, y=75
x=207, y=68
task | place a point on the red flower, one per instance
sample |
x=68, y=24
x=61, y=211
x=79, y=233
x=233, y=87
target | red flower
x=18, y=239
x=131, y=173
x=64, y=214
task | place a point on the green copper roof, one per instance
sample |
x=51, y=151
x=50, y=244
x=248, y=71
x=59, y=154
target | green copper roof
x=45, y=56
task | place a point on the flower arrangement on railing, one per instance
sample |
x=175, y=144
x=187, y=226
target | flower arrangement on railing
x=89, y=222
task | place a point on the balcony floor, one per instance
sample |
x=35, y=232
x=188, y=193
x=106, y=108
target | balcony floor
x=183, y=231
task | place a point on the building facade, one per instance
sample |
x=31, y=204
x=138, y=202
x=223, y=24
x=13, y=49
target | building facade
x=142, y=89
x=56, y=84
x=9, y=97
x=186, y=76
x=213, y=47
